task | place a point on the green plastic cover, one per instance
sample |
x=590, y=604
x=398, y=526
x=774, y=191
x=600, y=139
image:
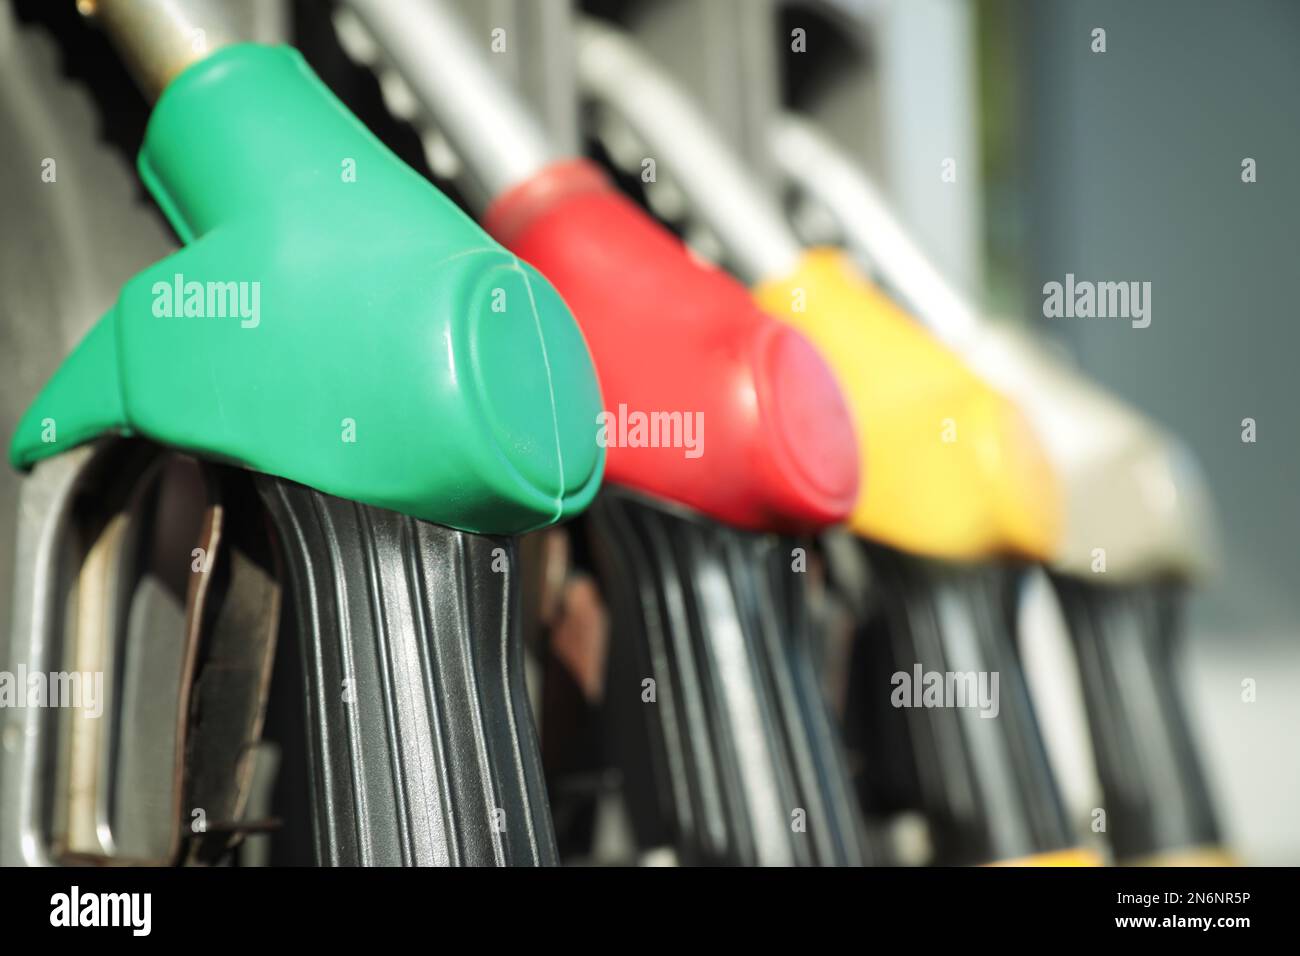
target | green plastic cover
x=332, y=319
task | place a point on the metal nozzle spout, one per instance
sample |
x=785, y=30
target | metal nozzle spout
x=158, y=39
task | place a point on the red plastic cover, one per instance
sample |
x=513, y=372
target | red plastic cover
x=709, y=402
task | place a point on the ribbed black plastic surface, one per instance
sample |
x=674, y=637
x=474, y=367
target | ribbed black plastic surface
x=738, y=738
x=1156, y=795
x=420, y=743
x=983, y=783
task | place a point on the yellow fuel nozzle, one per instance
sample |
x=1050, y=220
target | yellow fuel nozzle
x=1075, y=856
x=951, y=468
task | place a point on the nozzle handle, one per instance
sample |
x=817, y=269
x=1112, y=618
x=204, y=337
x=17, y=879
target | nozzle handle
x=420, y=743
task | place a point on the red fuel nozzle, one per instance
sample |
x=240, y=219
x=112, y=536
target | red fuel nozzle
x=772, y=447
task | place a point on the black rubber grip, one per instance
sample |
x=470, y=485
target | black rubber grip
x=1156, y=795
x=734, y=762
x=420, y=744
x=983, y=784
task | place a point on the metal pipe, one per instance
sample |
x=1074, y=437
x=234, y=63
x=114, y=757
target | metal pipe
x=474, y=108
x=722, y=191
x=806, y=156
x=158, y=39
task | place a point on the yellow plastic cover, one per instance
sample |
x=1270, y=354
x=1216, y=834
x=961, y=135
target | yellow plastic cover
x=951, y=469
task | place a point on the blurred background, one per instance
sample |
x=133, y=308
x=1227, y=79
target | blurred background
x=1126, y=164
x=1123, y=164
x=1129, y=163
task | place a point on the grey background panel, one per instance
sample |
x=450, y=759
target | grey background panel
x=1134, y=163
